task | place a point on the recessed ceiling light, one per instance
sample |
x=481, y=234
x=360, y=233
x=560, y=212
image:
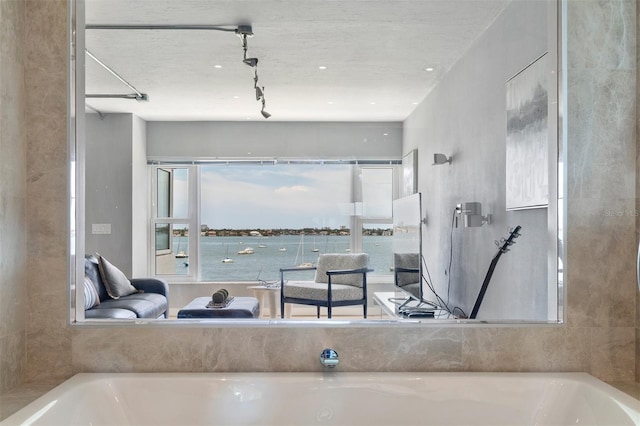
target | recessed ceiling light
x=217, y=66
x=429, y=69
x=372, y=103
x=414, y=103
x=385, y=134
x=236, y=97
x=330, y=102
x=322, y=67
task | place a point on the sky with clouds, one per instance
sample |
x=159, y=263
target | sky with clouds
x=272, y=196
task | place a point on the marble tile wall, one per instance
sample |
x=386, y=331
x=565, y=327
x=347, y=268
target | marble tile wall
x=637, y=201
x=46, y=71
x=599, y=337
x=13, y=185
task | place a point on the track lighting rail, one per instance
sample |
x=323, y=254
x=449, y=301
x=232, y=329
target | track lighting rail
x=243, y=31
x=137, y=95
x=163, y=27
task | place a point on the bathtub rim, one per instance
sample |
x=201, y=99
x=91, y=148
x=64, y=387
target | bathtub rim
x=26, y=412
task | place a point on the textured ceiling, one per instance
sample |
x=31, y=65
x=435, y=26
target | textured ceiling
x=375, y=53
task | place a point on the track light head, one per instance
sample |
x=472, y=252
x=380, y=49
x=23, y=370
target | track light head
x=245, y=31
x=252, y=62
x=264, y=113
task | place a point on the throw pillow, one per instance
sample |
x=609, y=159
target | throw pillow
x=91, y=298
x=114, y=280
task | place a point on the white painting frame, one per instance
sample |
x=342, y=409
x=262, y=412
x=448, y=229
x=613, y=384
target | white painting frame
x=527, y=125
x=410, y=173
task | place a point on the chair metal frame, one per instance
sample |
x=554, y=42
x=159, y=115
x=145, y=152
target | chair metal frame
x=328, y=303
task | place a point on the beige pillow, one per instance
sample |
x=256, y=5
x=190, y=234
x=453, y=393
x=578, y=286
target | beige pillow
x=114, y=280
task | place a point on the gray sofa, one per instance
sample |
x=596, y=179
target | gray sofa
x=150, y=301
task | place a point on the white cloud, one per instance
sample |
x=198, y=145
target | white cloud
x=291, y=189
x=264, y=197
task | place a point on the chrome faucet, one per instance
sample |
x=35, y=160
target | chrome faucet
x=329, y=358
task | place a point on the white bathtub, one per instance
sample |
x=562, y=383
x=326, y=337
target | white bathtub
x=334, y=398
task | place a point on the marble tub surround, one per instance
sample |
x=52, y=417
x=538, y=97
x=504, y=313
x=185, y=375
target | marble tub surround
x=519, y=349
x=600, y=336
x=21, y=396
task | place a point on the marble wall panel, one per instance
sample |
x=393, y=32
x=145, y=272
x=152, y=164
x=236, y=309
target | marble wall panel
x=602, y=34
x=613, y=353
x=601, y=128
x=45, y=45
x=13, y=303
x=602, y=346
x=12, y=359
x=130, y=349
x=524, y=349
x=360, y=349
x=13, y=288
x=637, y=201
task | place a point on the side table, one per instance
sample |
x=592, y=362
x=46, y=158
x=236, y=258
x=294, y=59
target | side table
x=268, y=292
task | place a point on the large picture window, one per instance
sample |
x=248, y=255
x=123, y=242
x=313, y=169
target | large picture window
x=255, y=218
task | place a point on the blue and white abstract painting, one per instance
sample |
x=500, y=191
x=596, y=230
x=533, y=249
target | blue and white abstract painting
x=527, y=168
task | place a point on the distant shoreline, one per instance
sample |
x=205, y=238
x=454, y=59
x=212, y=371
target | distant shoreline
x=257, y=233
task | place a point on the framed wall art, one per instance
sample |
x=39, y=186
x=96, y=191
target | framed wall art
x=410, y=173
x=527, y=174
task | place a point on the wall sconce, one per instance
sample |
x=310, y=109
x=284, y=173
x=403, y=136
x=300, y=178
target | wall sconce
x=441, y=159
x=472, y=214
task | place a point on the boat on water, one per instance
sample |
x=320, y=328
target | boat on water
x=262, y=246
x=282, y=249
x=300, y=254
x=180, y=254
x=227, y=259
x=248, y=250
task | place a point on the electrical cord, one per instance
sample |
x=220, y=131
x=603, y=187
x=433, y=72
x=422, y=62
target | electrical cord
x=453, y=218
x=429, y=281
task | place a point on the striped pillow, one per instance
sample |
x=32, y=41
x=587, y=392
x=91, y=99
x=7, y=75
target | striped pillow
x=91, y=298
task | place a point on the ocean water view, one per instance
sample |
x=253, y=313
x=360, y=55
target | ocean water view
x=269, y=254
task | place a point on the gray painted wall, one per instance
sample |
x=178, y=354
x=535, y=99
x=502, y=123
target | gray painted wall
x=323, y=140
x=109, y=189
x=140, y=199
x=464, y=116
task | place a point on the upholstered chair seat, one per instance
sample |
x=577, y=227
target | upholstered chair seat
x=340, y=280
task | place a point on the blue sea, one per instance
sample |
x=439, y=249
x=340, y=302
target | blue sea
x=268, y=255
